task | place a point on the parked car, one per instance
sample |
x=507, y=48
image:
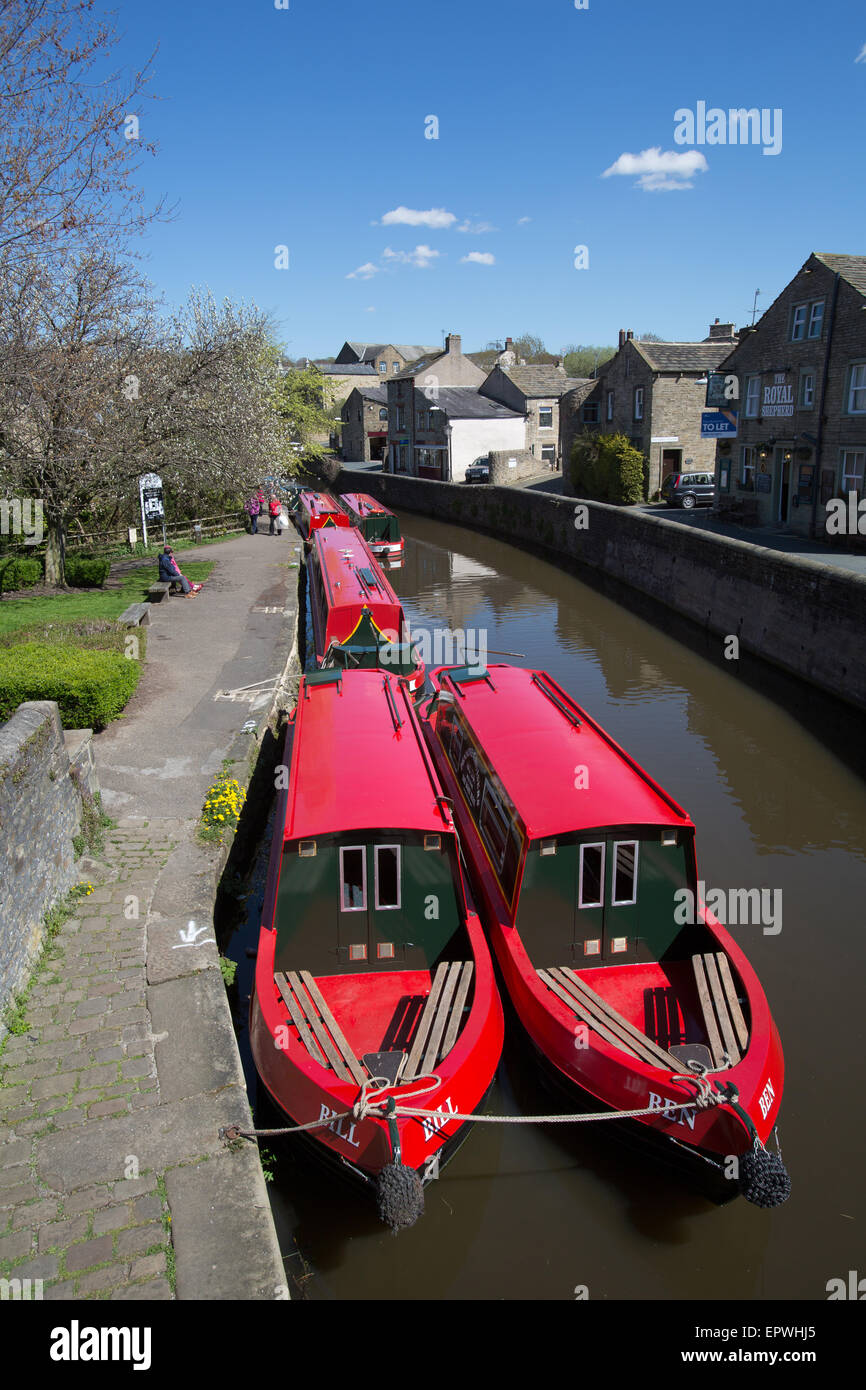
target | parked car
x=689, y=490
x=479, y=471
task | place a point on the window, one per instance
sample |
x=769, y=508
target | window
x=746, y=481
x=545, y=417
x=401, y=417
x=548, y=454
x=625, y=854
x=753, y=396
x=610, y=405
x=798, y=322
x=395, y=366
x=383, y=412
x=807, y=391
x=807, y=320
x=591, y=883
x=857, y=390
x=383, y=367
x=816, y=319
x=638, y=402
x=353, y=879
x=387, y=877
x=589, y=414
x=853, y=463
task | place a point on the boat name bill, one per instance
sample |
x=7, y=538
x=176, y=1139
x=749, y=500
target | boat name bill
x=437, y=1119
x=336, y=1127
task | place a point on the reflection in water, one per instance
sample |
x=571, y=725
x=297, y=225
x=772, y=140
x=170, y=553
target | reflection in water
x=533, y=1212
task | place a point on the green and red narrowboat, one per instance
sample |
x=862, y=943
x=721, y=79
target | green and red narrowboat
x=582, y=868
x=317, y=511
x=379, y=526
x=357, y=618
x=372, y=962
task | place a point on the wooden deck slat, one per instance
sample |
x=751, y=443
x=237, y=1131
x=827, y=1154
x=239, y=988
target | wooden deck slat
x=722, y=1009
x=351, y=1061
x=431, y=1056
x=425, y=1022
x=658, y=1055
x=733, y=1001
x=578, y=1007
x=455, y=1020
x=309, y=1008
x=713, y=1037
x=297, y=1017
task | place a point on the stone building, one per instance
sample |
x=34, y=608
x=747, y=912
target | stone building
x=385, y=359
x=364, y=436
x=534, y=391
x=801, y=381
x=655, y=394
x=417, y=444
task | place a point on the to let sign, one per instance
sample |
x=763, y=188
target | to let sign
x=718, y=424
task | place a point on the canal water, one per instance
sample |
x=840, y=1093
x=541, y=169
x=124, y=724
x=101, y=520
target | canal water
x=773, y=780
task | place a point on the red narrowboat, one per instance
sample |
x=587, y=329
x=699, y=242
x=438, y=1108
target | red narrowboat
x=372, y=965
x=379, y=526
x=583, y=870
x=357, y=618
x=317, y=511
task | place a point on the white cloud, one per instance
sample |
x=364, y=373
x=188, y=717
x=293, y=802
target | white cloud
x=861, y=56
x=364, y=272
x=476, y=228
x=479, y=258
x=370, y=309
x=660, y=171
x=411, y=217
x=522, y=221
x=422, y=256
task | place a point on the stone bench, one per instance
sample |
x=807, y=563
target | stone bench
x=157, y=592
x=136, y=615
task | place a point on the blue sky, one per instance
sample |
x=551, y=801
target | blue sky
x=305, y=127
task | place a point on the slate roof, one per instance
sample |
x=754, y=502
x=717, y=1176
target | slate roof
x=412, y=368
x=684, y=357
x=345, y=368
x=540, y=379
x=851, y=268
x=367, y=352
x=465, y=403
x=579, y=392
x=373, y=393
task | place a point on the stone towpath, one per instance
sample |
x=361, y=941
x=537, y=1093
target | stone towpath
x=114, y=1182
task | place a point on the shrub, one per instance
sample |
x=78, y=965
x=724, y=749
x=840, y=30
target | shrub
x=19, y=572
x=86, y=572
x=91, y=687
x=608, y=468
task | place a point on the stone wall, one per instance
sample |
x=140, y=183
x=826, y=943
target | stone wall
x=800, y=615
x=527, y=466
x=40, y=811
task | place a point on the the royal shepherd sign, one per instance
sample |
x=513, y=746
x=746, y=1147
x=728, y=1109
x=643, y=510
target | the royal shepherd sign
x=718, y=424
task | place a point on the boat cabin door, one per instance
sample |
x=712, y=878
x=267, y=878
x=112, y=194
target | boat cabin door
x=371, y=933
x=606, y=906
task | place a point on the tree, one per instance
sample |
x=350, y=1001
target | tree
x=69, y=131
x=584, y=361
x=650, y=338
x=608, y=468
x=304, y=402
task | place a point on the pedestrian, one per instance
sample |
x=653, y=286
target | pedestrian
x=275, y=506
x=252, y=507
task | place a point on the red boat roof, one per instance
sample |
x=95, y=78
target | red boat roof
x=352, y=575
x=526, y=725
x=363, y=505
x=359, y=760
x=321, y=504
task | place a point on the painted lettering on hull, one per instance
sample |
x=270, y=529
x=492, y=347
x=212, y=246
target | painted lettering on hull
x=339, y=1127
x=766, y=1098
x=437, y=1119
x=665, y=1106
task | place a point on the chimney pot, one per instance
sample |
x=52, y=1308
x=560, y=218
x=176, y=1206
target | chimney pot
x=621, y=337
x=629, y=335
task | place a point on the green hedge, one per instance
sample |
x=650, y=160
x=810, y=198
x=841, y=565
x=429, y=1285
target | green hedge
x=607, y=468
x=86, y=572
x=19, y=572
x=91, y=687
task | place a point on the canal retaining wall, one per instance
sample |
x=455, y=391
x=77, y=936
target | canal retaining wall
x=798, y=614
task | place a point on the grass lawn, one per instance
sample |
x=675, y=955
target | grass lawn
x=90, y=604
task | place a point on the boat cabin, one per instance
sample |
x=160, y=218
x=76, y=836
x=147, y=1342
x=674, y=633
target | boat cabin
x=368, y=877
x=317, y=510
x=586, y=850
x=357, y=619
x=379, y=526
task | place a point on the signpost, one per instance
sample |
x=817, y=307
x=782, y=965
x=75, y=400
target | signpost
x=719, y=424
x=151, y=500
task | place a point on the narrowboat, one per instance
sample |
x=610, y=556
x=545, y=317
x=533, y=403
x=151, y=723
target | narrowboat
x=583, y=870
x=316, y=511
x=373, y=976
x=379, y=526
x=356, y=616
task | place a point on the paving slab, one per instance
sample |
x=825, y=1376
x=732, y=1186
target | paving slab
x=197, y=1051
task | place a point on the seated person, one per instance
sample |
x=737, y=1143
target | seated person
x=169, y=572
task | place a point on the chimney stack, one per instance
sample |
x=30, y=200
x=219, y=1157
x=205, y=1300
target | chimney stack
x=622, y=337
x=721, y=331
x=509, y=344
x=452, y=343
x=629, y=335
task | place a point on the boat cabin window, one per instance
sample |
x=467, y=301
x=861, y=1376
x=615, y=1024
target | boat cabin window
x=625, y=854
x=590, y=891
x=387, y=876
x=353, y=879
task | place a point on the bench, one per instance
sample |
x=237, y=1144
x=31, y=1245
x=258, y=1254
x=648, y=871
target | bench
x=604, y=1019
x=723, y=1017
x=316, y=1025
x=157, y=592
x=441, y=1019
x=136, y=615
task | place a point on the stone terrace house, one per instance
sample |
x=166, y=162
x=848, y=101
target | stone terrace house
x=801, y=373
x=385, y=359
x=414, y=441
x=364, y=437
x=534, y=391
x=654, y=393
